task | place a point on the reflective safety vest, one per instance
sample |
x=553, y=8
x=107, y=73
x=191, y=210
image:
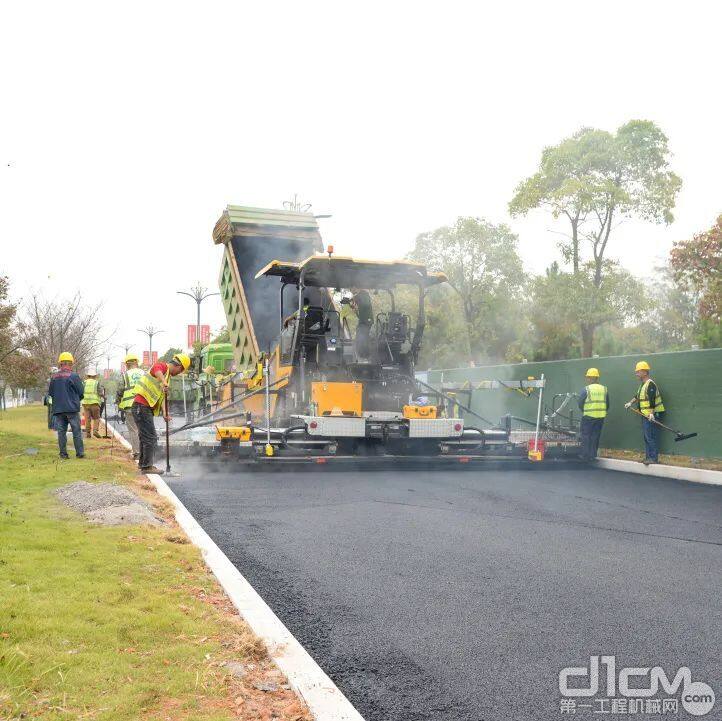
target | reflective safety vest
x=595, y=404
x=152, y=390
x=130, y=380
x=643, y=399
x=90, y=392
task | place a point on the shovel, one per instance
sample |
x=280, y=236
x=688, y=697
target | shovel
x=678, y=435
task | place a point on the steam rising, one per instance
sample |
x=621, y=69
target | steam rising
x=263, y=294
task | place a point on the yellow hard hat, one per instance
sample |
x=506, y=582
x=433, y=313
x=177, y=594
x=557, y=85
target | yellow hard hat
x=131, y=357
x=593, y=373
x=66, y=357
x=642, y=366
x=183, y=359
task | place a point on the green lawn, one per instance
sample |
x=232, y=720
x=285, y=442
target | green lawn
x=103, y=623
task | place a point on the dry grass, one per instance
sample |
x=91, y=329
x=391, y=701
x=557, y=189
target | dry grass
x=711, y=464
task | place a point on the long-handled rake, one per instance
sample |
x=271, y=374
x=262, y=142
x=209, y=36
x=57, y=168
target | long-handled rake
x=678, y=435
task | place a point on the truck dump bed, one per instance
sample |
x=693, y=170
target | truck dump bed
x=253, y=237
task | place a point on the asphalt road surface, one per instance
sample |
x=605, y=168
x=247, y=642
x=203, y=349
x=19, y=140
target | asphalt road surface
x=459, y=595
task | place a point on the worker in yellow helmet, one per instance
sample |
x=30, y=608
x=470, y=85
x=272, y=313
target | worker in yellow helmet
x=125, y=396
x=150, y=401
x=594, y=404
x=66, y=390
x=93, y=394
x=648, y=400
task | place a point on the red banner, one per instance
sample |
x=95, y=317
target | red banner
x=193, y=335
x=106, y=373
x=147, y=359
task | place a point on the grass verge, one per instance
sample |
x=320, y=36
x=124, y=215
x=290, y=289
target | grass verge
x=710, y=464
x=113, y=623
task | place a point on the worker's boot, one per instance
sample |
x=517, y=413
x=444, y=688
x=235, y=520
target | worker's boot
x=152, y=469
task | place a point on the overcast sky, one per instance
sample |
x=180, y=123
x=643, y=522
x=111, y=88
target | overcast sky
x=126, y=128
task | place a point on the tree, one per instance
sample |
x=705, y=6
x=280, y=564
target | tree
x=445, y=336
x=675, y=323
x=223, y=336
x=561, y=301
x=697, y=266
x=553, y=324
x=167, y=357
x=21, y=371
x=483, y=266
x=18, y=370
x=8, y=340
x=60, y=325
x=593, y=180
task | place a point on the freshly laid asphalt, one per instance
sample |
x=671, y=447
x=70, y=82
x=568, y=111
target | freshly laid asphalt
x=459, y=595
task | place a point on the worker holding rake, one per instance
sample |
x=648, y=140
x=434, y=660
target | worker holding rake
x=150, y=400
x=648, y=401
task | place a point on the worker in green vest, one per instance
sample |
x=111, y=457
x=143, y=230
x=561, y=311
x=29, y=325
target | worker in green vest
x=125, y=396
x=594, y=404
x=92, y=398
x=648, y=400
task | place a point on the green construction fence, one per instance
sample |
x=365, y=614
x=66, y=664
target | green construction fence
x=690, y=382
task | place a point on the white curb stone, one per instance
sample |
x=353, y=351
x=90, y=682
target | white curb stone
x=693, y=475
x=323, y=698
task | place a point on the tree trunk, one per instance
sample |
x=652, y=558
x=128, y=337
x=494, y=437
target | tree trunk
x=587, y=340
x=468, y=316
x=468, y=341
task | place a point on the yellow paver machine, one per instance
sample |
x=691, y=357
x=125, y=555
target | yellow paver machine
x=325, y=348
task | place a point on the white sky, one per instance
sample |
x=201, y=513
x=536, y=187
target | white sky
x=126, y=128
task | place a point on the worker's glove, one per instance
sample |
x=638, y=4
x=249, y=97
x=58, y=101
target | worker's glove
x=628, y=405
x=651, y=416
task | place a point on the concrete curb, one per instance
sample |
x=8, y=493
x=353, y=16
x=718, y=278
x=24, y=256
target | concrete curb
x=680, y=473
x=323, y=698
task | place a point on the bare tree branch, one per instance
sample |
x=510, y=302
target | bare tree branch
x=59, y=325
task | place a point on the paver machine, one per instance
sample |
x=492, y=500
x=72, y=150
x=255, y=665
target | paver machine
x=315, y=381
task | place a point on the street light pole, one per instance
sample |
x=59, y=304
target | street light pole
x=150, y=331
x=198, y=294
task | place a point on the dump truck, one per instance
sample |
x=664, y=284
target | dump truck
x=314, y=379
x=196, y=393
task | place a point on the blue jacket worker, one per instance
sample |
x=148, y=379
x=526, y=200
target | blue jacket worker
x=66, y=390
x=594, y=404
